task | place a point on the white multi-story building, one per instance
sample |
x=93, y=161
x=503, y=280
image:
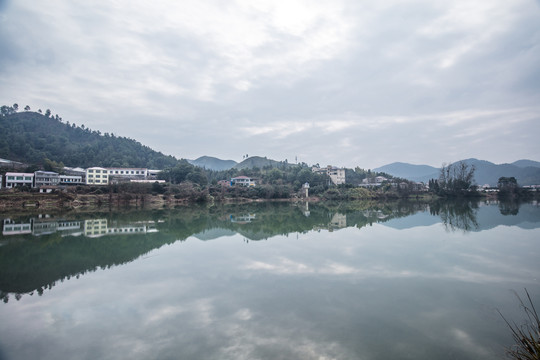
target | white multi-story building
x=46, y=178
x=69, y=171
x=97, y=176
x=337, y=175
x=71, y=180
x=128, y=173
x=19, y=179
x=242, y=180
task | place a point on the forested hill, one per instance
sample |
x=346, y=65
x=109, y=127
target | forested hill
x=30, y=137
x=260, y=162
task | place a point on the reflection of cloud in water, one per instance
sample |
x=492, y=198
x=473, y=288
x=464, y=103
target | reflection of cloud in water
x=418, y=291
x=283, y=266
x=266, y=342
x=465, y=341
x=162, y=313
x=200, y=328
x=286, y=267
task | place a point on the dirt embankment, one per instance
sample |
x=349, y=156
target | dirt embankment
x=64, y=201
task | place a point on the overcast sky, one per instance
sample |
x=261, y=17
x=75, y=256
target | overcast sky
x=341, y=82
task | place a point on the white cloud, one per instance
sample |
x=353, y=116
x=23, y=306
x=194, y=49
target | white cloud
x=328, y=80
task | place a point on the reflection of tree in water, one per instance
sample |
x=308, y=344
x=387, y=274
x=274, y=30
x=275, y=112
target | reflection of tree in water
x=33, y=265
x=36, y=264
x=456, y=215
x=509, y=207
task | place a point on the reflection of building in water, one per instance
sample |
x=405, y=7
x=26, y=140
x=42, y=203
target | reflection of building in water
x=375, y=213
x=95, y=227
x=43, y=225
x=11, y=228
x=100, y=227
x=242, y=219
x=127, y=229
x=339, y=221
x=306, y=211
x=70, y=227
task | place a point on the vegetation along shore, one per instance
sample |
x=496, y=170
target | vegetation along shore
x=48, y=163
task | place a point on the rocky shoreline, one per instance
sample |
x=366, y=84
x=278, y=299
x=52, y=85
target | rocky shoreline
x=31, y=202
x=62, y=201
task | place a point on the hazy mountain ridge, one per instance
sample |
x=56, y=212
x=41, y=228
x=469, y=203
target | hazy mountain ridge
x=486, y=172
x=526, y=163
x=213, y=163
x=409, y=171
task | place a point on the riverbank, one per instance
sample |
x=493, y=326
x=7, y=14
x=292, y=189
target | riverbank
x=147, y=197
x=29, y=202
x=64, y=201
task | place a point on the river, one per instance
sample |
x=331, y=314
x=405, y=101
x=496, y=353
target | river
x=406, y=280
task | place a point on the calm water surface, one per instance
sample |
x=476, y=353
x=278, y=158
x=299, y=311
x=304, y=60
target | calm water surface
x=268, y=281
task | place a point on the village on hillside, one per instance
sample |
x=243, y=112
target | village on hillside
x=49, y=181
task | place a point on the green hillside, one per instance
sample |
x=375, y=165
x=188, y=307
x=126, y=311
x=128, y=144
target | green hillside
x=30, y=137
x=260, y=162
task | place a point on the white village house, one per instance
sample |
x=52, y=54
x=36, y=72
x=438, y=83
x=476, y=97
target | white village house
x=337, y=175
x=14, y=179
x=97, y=176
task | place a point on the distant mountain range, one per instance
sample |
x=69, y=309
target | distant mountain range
x=527, y=172
x=410, y=171
x=212, y=163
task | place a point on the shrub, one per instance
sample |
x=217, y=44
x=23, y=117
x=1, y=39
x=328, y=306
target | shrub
x=526, y=336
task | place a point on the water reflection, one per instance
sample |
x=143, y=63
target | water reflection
x=457, y=214
x=343, y=281
x=39, y=251
x=509, y=207
x=46, y=225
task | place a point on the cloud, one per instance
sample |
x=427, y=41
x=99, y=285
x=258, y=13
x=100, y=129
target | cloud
x=331, y=80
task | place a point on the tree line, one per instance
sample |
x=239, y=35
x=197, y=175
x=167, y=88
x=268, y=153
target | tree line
x=30, y=137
